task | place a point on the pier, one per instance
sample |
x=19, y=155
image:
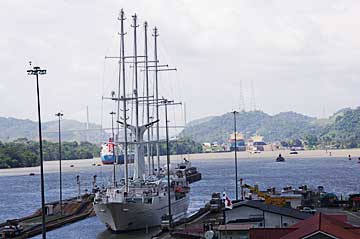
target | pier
x=220, y=222
x=74, y=209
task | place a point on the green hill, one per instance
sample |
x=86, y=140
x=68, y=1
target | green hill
x=72, y=130
x=341, y=129
x=287, y=125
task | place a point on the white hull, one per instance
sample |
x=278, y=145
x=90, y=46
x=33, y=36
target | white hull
x=134, y=216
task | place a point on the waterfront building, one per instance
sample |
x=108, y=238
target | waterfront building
x=319, y=226
x=261, y=215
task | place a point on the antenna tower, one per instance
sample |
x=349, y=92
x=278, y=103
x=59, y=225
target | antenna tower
x=252, y=97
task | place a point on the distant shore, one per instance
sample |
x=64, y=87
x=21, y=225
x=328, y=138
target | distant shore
x=342, y=153
x=83, y=164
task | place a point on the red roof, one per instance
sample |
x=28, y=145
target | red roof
x=334, y=225
x=269, y=233
x=357, y=230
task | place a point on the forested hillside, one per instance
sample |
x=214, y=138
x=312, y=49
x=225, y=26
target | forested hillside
x=25, y=153
x=72, y=130
x=340, y=130
x=273, y=128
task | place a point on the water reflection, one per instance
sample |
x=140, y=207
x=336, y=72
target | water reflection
x=144, y=234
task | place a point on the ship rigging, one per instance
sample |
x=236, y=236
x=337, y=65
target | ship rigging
x=152, y=192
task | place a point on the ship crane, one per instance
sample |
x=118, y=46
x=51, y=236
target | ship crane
x=277, y=201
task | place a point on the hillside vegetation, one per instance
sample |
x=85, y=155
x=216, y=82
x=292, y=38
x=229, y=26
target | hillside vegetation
x=72, y=130
x=340, y=130
x=25, y=153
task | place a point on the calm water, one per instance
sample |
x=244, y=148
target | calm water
x=19, y=195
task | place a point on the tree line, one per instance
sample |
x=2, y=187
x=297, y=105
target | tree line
x=25, y=153
x=181, y=146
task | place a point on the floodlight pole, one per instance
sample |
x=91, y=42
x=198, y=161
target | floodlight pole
x=37, y=71
x=59, y=115
x=168, y=161
x=166, y=103
x=235, y=157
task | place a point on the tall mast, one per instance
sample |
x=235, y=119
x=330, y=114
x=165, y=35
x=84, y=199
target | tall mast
x=156, y=34
x=135, y=73
x=114, y=147
x=139, y=162
x=122, y=47
x=151, y=168
x=119, y=92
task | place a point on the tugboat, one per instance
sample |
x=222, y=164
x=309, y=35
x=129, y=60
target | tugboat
x=280, y=158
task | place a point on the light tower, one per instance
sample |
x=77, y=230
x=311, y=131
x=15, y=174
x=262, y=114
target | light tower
x=235, y=158
x=59, y=115
x=38, y=71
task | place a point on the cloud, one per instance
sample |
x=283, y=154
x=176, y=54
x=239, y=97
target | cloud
x=301, y=55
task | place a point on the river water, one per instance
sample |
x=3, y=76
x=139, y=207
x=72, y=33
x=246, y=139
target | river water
x=20, y=195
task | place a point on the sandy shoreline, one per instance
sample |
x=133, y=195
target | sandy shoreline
x=83, y=164
x=355, y=153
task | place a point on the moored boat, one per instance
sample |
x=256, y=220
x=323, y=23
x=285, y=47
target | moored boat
x=109, y=157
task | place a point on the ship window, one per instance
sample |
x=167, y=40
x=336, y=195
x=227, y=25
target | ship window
x=133, y=200
x=148, y=200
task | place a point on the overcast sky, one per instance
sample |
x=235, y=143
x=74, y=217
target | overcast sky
x=300, y=55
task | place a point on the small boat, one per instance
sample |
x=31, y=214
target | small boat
x=31, y=174
x=280, y=158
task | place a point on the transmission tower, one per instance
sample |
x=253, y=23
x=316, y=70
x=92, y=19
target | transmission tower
x=241, y=98
x=252, y=97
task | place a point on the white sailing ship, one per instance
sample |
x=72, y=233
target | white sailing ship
x=142, y=200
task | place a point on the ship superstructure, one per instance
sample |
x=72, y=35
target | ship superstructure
x=240, y=142
x=256, y=143
x=108, y=156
